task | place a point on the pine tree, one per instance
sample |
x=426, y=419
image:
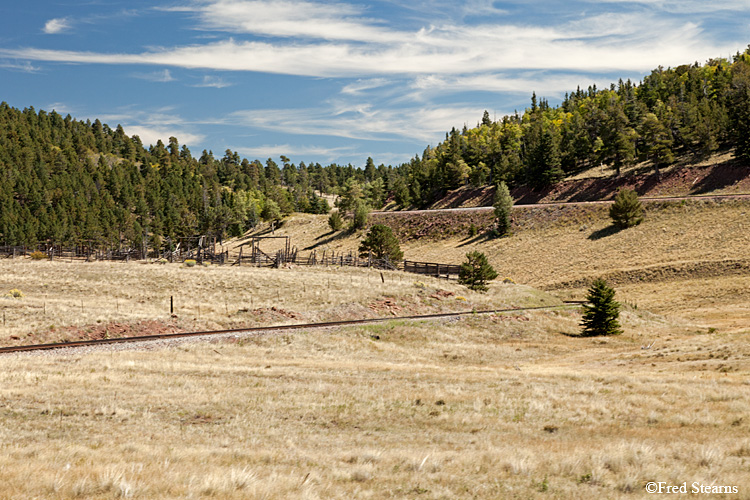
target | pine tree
x=476, y=271
x=335, y=221
x=503, y=204
x=600, y=316
x=359, y=217
x=381, y=243
x=627, y=210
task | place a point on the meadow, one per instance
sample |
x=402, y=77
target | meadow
x=498, y=406
x=490, y=406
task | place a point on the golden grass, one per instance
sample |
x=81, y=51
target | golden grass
x=549, y=249
x=484, y=407
x=87, y=295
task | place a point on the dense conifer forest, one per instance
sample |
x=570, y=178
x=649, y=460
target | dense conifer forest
x=65, y=180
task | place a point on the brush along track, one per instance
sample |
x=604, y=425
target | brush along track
x=277, y=328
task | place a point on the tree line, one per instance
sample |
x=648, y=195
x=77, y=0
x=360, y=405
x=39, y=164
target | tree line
x=66, y=180
x=688, y=110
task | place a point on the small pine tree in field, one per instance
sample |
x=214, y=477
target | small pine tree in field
x=335, y=221
x=627, y=210
x=476, y=271
x=381, y=243
x=601, y=313
x=503, y=204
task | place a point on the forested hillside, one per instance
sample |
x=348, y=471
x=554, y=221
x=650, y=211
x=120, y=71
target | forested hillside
x=65, y=180
x=689, y=110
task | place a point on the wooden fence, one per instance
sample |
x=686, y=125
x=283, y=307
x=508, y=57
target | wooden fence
x=256, y=257
x=432, y=269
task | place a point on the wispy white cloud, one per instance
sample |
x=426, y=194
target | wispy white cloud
x=151, y=135
x=163, y=76
x=213, y=82
x=60, y=108
x=57, y=26
x=154, y=125
x=293, y=19
x=362, y=85
x=25, y=66
x=428, y=86
x=684, y=6
x=481, y=8
x=623, y=43
x=358, y=121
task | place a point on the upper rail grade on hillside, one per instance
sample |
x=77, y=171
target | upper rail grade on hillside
x=647, y=199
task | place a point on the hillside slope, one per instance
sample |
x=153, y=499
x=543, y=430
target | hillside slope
x=687, y=259
x=718, y=174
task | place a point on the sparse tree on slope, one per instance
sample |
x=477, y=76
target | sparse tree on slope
x=600, y=316
x=381, y=243
x=627, y=210
x=476, y=271
x=503, y=204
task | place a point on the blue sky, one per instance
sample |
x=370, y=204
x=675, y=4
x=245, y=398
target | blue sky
x=336, y=81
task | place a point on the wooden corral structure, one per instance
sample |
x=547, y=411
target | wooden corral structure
x=203, y=248
x=274, y=258
x=432, y=269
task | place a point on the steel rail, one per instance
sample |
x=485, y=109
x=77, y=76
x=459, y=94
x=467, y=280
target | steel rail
x=298, y=326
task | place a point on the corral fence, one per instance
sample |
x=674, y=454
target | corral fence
x=435, y=269
x=250, y=254
x=325, y=258
x=74, y=252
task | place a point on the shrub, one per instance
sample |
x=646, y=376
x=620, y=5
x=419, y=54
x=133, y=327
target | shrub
x=190, y=263
x=476, y=271
x=381, y=243
x=271, y=211
x=38, y=255
x=601, y=313
x=359, y=220
x=503, y=204
x=335, y=221
x=627, y=210
x=15, y=294
x=473, y=231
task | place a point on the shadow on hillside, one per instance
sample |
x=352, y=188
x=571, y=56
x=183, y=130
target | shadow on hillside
x=721, y=176
x=480, y=238
x=604, y=232
x=327, y=238
x=457, y=198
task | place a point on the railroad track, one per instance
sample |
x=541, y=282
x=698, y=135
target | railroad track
x=276, y=328
x=648, y=199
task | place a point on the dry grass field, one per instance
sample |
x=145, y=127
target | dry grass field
x=65, y=300
x=681, y=262
x=483, y=407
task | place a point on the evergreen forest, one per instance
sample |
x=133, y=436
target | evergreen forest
x=63, y=180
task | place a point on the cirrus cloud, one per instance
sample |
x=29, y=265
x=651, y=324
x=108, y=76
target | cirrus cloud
x=57, y=26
